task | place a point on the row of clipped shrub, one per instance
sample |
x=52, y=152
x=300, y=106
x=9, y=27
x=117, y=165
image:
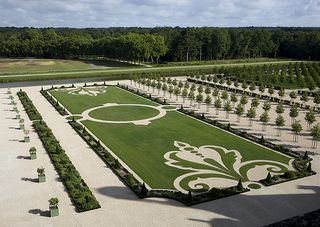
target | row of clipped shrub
x=28, y=106
x=139, y=188
x=303, y=169
x=80, y=193
x=54, y=102
x=144, y=95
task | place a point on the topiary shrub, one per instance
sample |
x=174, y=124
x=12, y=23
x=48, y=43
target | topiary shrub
x=289, y=174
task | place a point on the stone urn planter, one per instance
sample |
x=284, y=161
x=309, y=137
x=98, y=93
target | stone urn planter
x=41, y=175
x=26, y=137
x=21, y=121
x=33, y=153
x=18, y=115
x=53, y=207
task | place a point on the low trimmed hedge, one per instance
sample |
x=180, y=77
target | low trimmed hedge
x=32, y=112
x=54, y=103
x=301, y=166
x=137, y=92
x=78, y=190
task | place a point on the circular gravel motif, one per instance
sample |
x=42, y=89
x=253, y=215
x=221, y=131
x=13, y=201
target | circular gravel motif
x=137, y=114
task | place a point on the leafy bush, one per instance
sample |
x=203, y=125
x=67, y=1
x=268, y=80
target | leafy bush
x=32, y=112
x=54, y=103
x=70, y=176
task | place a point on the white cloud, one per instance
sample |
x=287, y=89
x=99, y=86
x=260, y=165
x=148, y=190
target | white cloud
x=150, y=13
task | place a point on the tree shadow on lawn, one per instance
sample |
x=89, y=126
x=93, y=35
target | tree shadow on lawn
x=43, y=213
x=34, y=180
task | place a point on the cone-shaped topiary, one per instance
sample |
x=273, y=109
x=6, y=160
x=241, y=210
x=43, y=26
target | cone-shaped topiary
x=144, y=190
x=240, y=186
x=305, y=156
x=268, y=179
x=309, y=169
x=189, y=198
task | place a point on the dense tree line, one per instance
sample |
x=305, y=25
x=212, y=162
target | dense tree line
x=164, y=43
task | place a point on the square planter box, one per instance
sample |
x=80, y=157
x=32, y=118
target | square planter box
x=42, y=179
x=54, y=212
x=26, y=139
x=22, y=127
x=18, y=116
x=33, y=156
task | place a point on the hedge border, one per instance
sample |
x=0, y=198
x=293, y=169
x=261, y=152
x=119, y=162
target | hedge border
x=50, y=140
x=27, y=104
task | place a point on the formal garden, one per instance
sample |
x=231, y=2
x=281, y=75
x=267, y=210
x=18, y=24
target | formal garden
x=161, y=150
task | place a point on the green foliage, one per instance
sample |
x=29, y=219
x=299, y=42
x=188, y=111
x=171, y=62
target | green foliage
x=240, y=186
x=53, y=202
x=28, y=106
x=268, y=179
x=70, y=176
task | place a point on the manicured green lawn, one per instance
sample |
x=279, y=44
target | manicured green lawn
x=124, y=113
x=143, y=148
x=25, y=65
x=77, y=104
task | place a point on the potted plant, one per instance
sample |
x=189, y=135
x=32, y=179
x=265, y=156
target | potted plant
x=21, y=121
x=18, y=114
x=41, y=175
x=33, y=153
x=11, y=97
x=26, y=137
x=53, y=207
x=14, y=106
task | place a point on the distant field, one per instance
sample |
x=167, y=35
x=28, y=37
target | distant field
x=230, y=61
x=10, y=66
x=173, y=151
x=118, y=73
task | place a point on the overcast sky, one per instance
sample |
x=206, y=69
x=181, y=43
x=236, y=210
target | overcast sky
x=151, y=13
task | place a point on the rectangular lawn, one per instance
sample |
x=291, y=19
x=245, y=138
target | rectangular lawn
x=142, y=147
